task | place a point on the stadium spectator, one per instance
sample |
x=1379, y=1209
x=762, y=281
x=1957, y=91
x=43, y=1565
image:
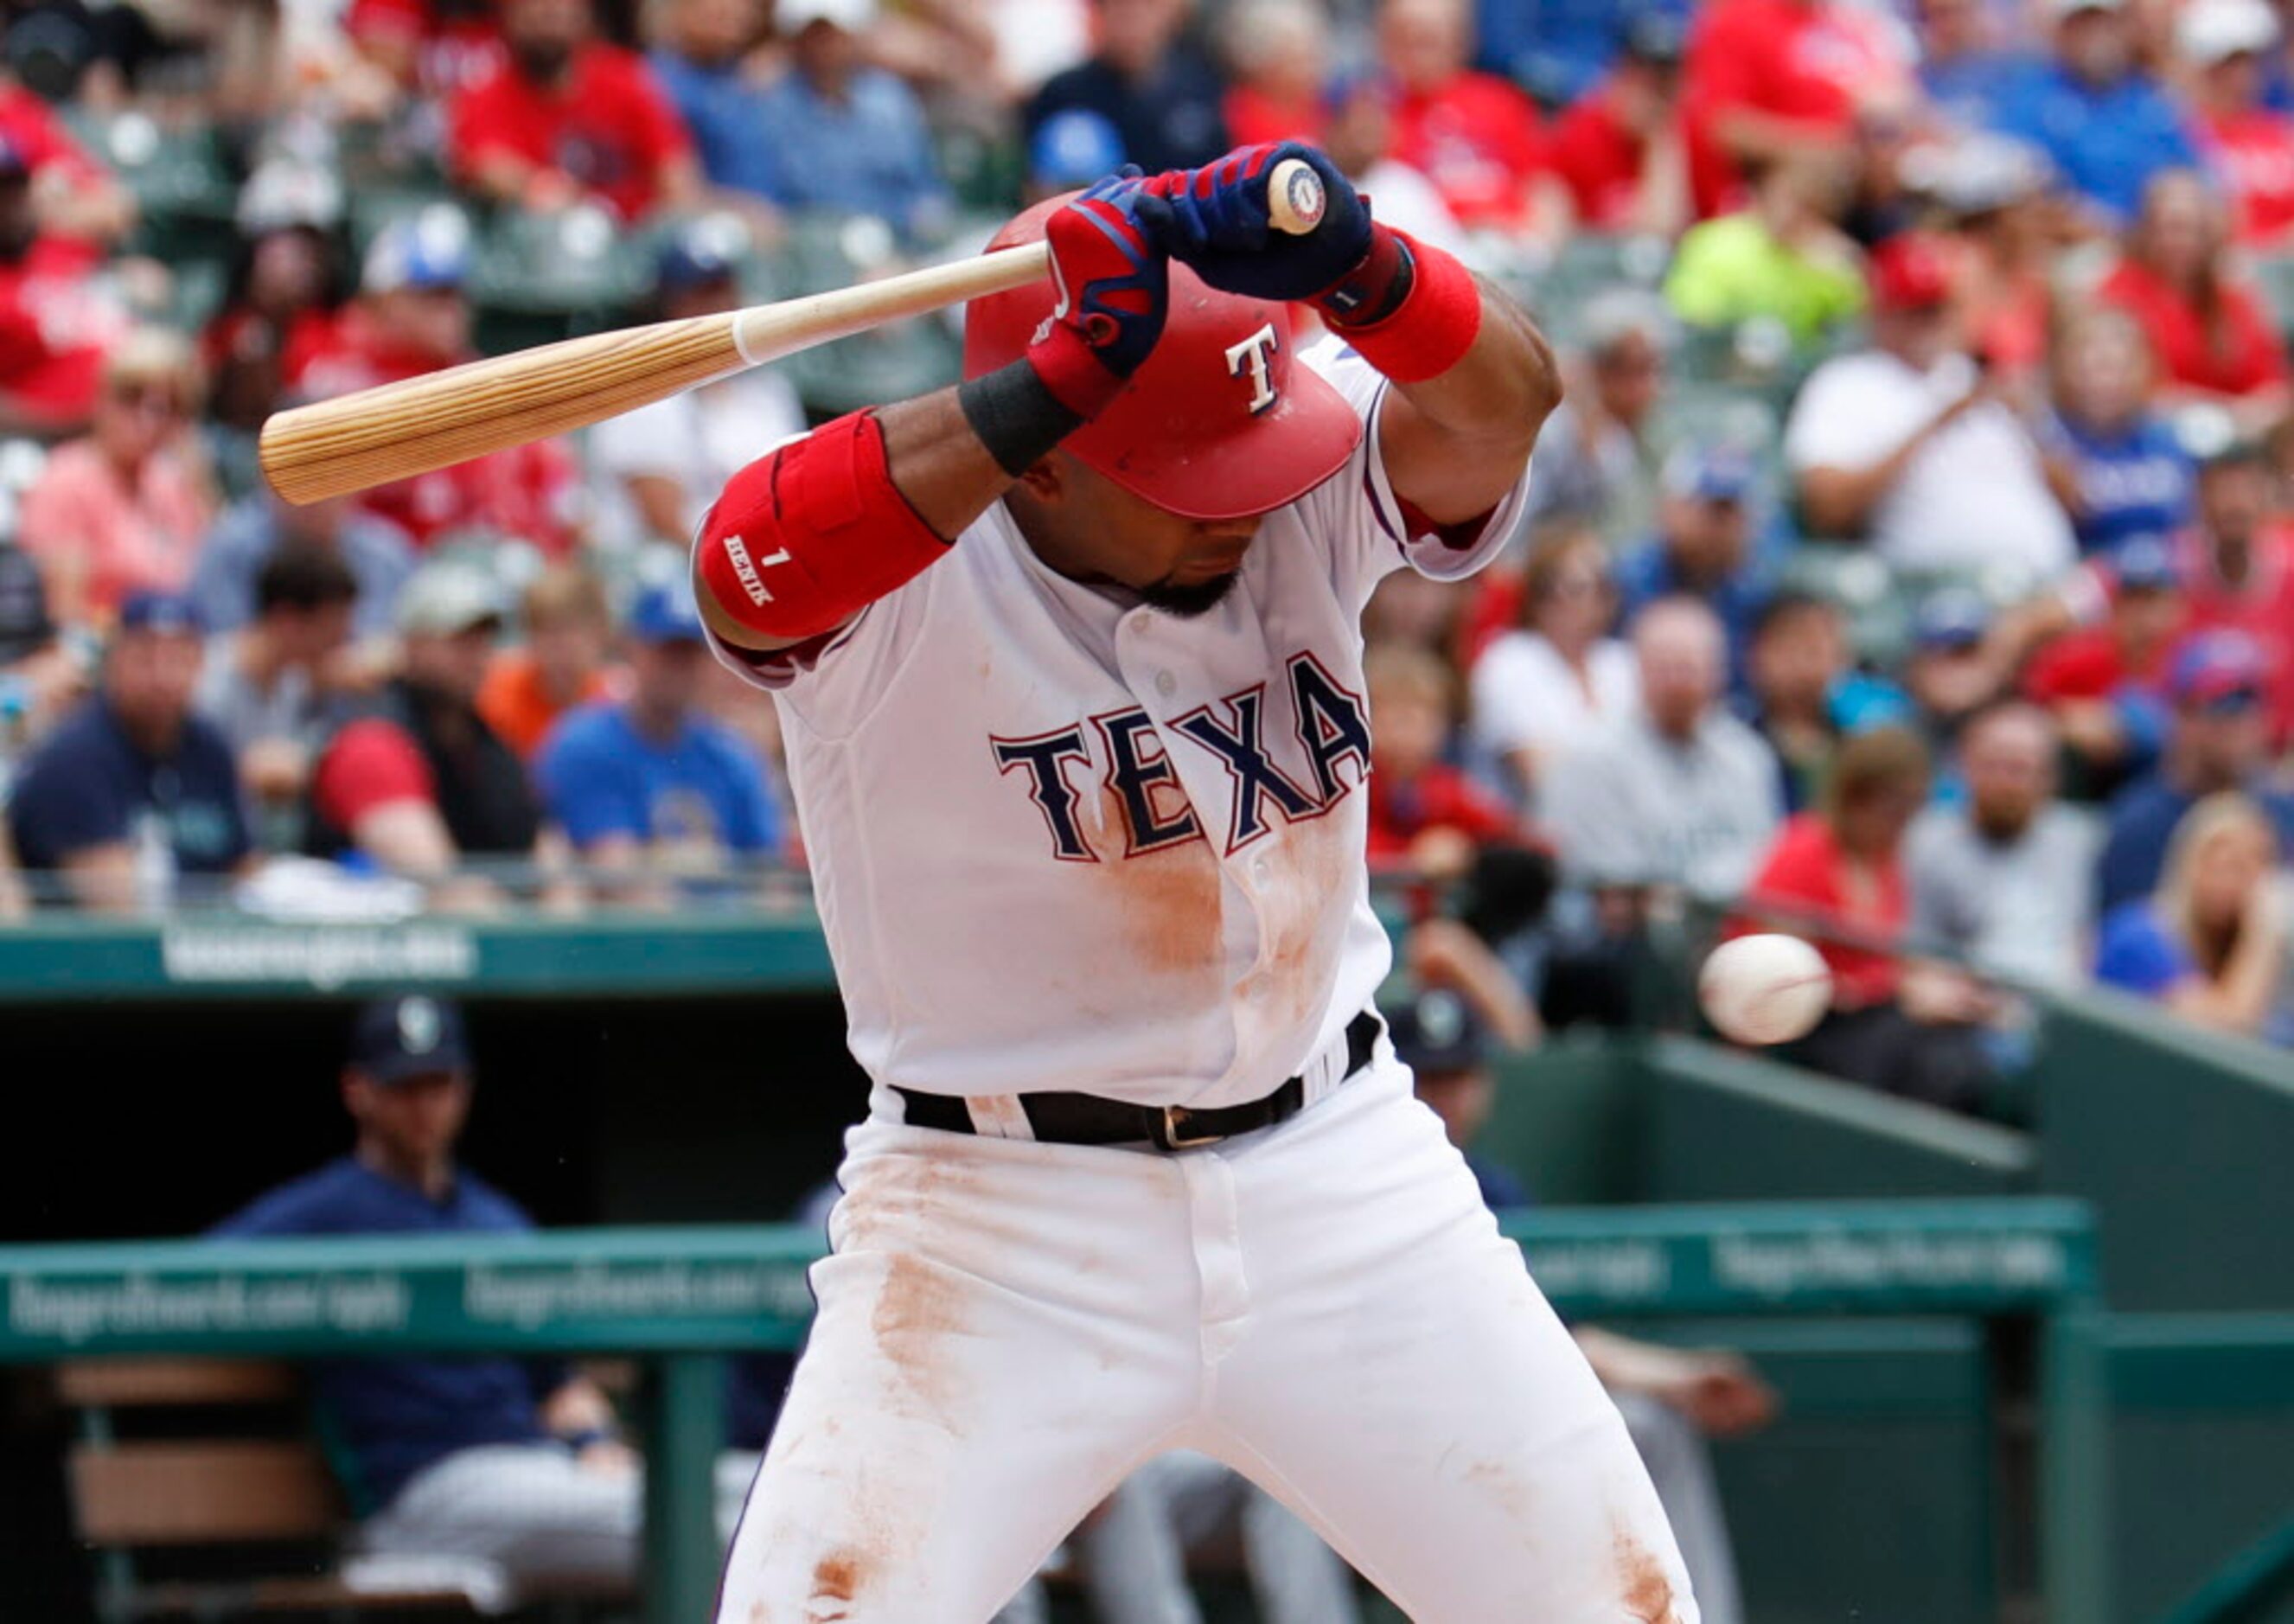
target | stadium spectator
x=1906, y=444
x=1998, y=211
x=2116, y=465
x=1150, y=80
x=861, y=131
x=2104, y=685
x=269, y=687
x=2210, y=943
x=2248, y=146
x=515, y=1462
x=1953, y=670
x=1546, y=687
x=231, y=559
x=1970, y=65
x=1780, y=259
x=41, y=677
x=2212, y=335
x=1836, y=876
x=1424, y=812
x=287, y=286
x=563, y=117
x=2219, y=741
x=1277, y=52
x=2237, y=565
x=1702, y=548
x=1134, y=1549
x=703, y=61
x=2002, y=879
x=563, y=665
x=122, y=510
x=2107, y=125
x=411, y=317
x=1618, y=149
x=1672, y=1399
x=655, y=470
x=1675, y=794
x=1771, y=79
x=56, y=322
x=1473, y=135
x=1359, y=137
x=132, y=789
x=1806, y=693
x=648, y=789
x=72, y=194
x=418, y=782
x=1597, y=454
x=419, y=51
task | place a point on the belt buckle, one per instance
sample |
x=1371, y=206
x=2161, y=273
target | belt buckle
x=1167, y=1118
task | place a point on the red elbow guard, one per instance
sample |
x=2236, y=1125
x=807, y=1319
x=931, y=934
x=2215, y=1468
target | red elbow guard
x=807, y=537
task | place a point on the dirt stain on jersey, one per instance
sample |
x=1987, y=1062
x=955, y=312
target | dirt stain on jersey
x=1648, y=1592
x=1169, y=903
x=1311, y=867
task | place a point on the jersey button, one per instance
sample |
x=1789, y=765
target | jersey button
x=1165, y=683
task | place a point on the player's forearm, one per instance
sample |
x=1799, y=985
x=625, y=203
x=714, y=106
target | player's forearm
x=1505, y=385
x=940, y=463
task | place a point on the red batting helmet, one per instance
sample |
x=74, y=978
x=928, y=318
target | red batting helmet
x=1219, y=422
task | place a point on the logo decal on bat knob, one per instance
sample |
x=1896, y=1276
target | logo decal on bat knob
x=1302, y=190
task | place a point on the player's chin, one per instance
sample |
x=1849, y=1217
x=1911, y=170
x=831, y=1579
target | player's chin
x=1188, y=599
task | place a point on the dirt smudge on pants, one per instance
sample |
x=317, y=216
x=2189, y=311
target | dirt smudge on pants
x=1648, y=1589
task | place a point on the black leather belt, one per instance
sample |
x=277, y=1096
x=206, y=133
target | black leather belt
x=1087, y=1119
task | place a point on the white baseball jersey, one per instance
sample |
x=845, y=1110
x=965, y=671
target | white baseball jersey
x=1060, y=839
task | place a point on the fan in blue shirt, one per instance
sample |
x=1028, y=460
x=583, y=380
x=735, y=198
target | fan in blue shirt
x=2107, y=125
x=2131, y=474
x=861, y=132
x=1703, y=548
x=650, y=780
x=133, y=788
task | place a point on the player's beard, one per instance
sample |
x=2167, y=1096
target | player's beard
x=1189, y=601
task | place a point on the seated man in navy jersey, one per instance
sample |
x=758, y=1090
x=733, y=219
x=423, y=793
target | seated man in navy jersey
x=510, y=1462
x=1672, y=1399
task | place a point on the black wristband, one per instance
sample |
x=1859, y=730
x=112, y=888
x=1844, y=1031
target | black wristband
x=1374, y=289
x=1016, y=416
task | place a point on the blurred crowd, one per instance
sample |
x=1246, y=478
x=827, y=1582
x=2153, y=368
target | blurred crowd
x=1910, y=565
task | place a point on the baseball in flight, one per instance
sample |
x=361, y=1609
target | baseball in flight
x=1768, y=989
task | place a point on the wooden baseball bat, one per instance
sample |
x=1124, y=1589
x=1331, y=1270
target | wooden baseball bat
x=333, y=447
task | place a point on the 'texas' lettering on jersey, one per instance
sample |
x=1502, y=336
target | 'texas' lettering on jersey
x=1330, y=724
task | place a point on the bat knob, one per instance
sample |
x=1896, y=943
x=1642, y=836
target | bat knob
x=1295, y=198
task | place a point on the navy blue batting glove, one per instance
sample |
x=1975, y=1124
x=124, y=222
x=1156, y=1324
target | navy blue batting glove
x=1215, y=220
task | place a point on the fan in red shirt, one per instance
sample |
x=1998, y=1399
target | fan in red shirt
x=430, y=49
x=2213, y=338
x=411, y=318
x=567, y=116
x=1473, y=135
x=55, y=327
x=1279, y=54
x=1837, y=878
x=2248, y=145
x=1618, y=149
x=1424, y=814
x=1768, y=78
x=2237, y=568
x=73, y=196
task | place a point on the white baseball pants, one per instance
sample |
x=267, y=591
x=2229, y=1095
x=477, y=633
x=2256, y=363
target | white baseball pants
x=1007, y=1329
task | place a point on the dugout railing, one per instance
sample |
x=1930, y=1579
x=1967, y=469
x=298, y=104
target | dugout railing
x=680, y=1300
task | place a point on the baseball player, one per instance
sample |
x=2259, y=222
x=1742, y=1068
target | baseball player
x=1069, y=664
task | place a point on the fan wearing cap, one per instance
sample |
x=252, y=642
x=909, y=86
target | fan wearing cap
x=417, y=781
x=134, y=788
x=650, y=788
x=1069, y=664
x=2104, y=683
x=123, y=510
x=2218, y=740
x=510, y=1462
x=412, y=316
x=655, y=471
x=2248, y=145
x=1907, y=445
x=2107, y=125
x=1704, y=545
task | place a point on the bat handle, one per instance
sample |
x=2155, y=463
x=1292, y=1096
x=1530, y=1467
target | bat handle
x=1295, y=198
